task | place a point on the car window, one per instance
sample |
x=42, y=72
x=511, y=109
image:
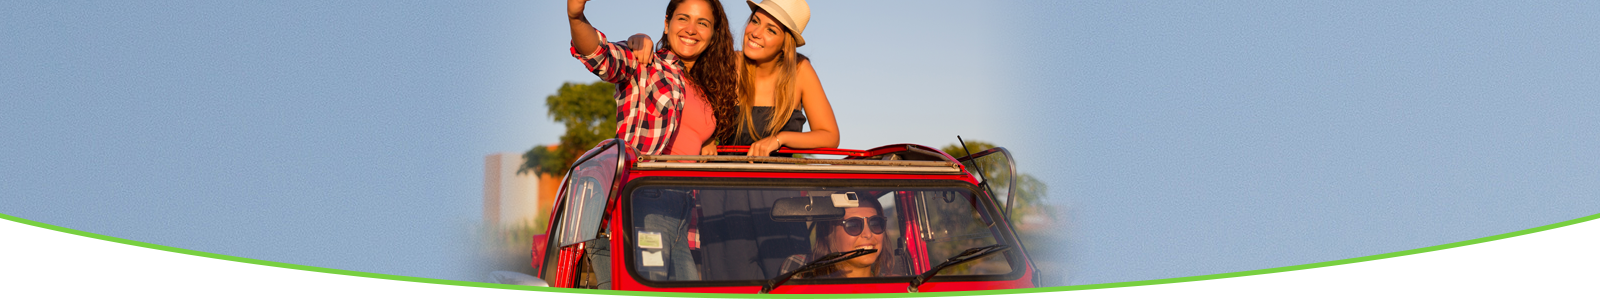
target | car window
x=954, y=225
x=706, y=232
x=588, y=187
x=997, y=172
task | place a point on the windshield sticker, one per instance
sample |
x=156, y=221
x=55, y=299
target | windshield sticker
x=649, y=240
x=651, y=258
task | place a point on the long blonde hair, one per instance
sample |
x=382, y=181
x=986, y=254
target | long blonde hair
x=786, y=94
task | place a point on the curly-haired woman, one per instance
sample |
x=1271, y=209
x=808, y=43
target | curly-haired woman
x=669, y=101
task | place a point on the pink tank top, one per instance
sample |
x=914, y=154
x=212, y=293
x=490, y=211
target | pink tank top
x=696, y=123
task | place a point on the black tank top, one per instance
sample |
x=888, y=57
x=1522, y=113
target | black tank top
x=761, y=116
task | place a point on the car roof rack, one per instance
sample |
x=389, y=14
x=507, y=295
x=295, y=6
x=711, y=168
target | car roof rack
x=789, y=164
x=890, y=159
x=793, y=164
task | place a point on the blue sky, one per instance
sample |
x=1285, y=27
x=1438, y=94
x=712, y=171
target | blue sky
x=1198, y=137
x=1181, y=138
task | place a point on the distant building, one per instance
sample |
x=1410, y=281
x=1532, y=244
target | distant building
x=512, y=200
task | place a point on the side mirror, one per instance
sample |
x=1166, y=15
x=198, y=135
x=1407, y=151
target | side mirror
x=807, y=209
x=509, y=277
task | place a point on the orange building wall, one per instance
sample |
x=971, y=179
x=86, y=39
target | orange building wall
x=548, y=186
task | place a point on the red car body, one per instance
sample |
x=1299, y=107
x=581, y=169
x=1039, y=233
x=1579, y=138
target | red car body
x=563, y=257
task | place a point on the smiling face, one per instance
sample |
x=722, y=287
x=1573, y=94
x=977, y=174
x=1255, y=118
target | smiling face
x=843, y=241
x=689, y=29
x=764, y=37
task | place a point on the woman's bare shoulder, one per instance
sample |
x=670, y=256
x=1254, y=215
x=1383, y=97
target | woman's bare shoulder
x=805, y=72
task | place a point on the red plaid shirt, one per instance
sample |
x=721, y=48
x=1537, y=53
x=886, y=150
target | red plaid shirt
x=649, y=96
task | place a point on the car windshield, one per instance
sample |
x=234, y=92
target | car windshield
x=710, y=230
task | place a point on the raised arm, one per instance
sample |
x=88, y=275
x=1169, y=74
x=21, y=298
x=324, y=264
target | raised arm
x=824, y=129
x=613, y=62
x=584, y=39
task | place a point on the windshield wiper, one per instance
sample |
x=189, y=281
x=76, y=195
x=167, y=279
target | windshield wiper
x=825, y=260
x=965, y=256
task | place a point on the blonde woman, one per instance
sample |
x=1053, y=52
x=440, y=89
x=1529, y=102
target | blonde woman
x=778, y=89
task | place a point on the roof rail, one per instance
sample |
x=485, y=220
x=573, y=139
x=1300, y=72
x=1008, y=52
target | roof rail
x=791, y=164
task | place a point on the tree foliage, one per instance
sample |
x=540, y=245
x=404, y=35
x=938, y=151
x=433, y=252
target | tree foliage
x=589, y=115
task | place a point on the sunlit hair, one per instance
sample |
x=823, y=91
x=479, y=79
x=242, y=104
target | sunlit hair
x=823, y=243
x=785, y=96
x=714, y=71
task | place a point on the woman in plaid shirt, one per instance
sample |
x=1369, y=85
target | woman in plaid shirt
x=669, y=101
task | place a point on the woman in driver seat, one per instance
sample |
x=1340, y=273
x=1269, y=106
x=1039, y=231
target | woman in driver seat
x=863, y=227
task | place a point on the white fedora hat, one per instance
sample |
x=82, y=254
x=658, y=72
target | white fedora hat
x=793, y=14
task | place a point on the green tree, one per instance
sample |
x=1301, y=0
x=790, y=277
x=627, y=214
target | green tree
x=589, y=114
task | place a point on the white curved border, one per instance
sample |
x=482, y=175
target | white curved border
x=41, y=263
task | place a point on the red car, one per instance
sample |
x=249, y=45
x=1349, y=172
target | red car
x=893, y=219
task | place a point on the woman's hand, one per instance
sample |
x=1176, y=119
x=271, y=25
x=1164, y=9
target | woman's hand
x=575, y=9
x=765, y=146
x=709, y=149
x=642, y=47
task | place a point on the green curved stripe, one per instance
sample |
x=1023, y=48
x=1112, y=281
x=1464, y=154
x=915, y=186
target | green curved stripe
x=791, y=296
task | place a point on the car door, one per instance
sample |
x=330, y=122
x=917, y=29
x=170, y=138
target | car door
x=580, y=256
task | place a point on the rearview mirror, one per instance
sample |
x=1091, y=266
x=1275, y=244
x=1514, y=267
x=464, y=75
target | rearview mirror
x=806, y=209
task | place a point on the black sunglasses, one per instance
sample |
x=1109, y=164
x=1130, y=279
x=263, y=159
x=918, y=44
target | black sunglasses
x=853, y=225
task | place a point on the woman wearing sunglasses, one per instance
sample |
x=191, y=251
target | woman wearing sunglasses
x=862, y=228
